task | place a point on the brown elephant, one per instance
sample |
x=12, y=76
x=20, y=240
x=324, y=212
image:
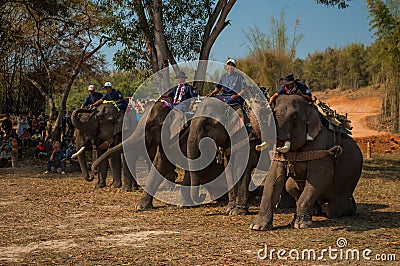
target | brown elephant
x=100, y=128
x=145, y=141
x=217, y=120
x=325, y=170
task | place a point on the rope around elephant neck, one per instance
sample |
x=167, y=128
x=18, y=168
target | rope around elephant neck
x=305, y=156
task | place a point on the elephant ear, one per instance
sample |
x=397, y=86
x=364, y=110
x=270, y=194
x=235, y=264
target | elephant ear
x=313, y=122
x=233, y=121
x=119, y=119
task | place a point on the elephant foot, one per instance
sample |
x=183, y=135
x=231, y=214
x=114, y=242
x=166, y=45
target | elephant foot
x=115, y=184
x=172, y=207
x=303, y=221
x=145, y=203
x=239, y=211
x=144, y=207
x=230, y=207
x=100, y=185
x=126, y=189
x=261, y=224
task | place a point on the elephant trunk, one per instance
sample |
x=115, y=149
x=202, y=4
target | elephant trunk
x=129, y=145
x=82, y=163
x=273, y=186
x=193, y=153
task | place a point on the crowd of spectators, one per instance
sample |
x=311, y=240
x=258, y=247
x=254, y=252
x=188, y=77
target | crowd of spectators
x=29, y=131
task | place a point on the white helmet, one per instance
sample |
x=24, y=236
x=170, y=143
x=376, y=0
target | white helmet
x=107, y=84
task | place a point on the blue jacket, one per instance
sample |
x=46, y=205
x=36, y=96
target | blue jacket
x=298, y=86
x=187, y=94
x=92, y=98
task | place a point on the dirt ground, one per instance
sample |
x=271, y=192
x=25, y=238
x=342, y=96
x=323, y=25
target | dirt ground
x=63, y=220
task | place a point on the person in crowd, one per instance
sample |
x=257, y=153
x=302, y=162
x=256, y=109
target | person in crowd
x=26, y=138
x=36, y=137
x=182, y=92
x=57, y=159
x=22, y=123
x=92, y=97
x=289, y=85
x=232, y=84
x=70, y=127
x=43, y=121
x=40, y=151
x=69, y=151
x=5, y=156
x=112, y=95
x=29, y=118
x=6, y=125
x=35, y=124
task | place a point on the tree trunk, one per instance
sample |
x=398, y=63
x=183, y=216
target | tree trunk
x=215, y=25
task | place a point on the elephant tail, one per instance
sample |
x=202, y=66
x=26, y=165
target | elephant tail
x=116, y=149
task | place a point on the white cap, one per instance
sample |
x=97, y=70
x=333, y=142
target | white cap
x=230, y=60
x=91, y=88
x=107, y=84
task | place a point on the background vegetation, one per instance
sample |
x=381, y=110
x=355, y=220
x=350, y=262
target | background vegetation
x=49, y=51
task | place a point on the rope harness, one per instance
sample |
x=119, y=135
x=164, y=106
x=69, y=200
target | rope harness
x=290, y=158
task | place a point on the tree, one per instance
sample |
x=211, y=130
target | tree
x=156, y=34
x=56, y=42
x=271, y=56
x=386, y=21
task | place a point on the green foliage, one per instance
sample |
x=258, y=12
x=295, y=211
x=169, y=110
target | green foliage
x=184, y=24
x=271, y=56
x=386, y=21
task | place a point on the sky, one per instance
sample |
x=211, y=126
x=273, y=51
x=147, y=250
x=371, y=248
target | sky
x=321, y=26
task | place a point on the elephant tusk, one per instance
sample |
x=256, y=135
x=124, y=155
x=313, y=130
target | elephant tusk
x=78, y=152
x=262, y=146
x=285, y=147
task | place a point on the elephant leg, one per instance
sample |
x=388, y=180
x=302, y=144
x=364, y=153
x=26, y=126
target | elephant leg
x=102, y=173
x=129, y=178
x=242, y=196
x=232, y=193
x=161, y=168
x=307, y=205
x=185, y=191
x=115, y=165
x=341, y=206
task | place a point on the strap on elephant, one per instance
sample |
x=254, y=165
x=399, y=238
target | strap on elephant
x=305, y=156
x=291, y=158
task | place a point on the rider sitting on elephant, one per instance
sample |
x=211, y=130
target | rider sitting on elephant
x=232, y=84
x=112, y=95
x=180, y=93
x=292, y=86
x=92, y=97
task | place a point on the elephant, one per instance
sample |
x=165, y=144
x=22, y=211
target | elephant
x=148, y=133
x=217, y=121
x=324, y=170
x=101, y=128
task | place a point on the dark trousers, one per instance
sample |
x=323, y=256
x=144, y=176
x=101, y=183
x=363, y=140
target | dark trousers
x=55, y=164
